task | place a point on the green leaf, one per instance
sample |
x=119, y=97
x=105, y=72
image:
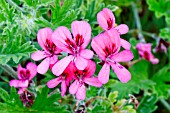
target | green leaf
x=147, y=104
x=139, y=80
x=4, y=95
x=112, y=96
x=160, y=78
x=165, y=34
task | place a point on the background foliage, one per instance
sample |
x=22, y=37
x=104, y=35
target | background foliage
x=150, y=84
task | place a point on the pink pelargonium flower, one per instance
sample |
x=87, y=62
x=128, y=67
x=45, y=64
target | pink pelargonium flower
x=144, y=51
x=75, y=47
x=24, y=76
x=106, y=21
x=64, y=79
x=49, y=50
x=107, y=46
x=83, y=77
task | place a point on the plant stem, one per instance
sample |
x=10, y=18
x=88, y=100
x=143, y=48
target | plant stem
x=9, y=70
x=165, y=103
x=138, y=24
x=15, y=5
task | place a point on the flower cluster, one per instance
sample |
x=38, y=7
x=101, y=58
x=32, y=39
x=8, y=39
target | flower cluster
x=76, y=70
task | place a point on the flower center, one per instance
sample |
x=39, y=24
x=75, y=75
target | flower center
x=109, y=50
x=26, y=75
x=50, y=46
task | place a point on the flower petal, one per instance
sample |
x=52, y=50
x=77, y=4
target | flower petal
x=61, y=65
x=73, y=87
x=43, y=35
x=103, y=75
x=123, y=56
x=125, y=44
x=19, y=83
x=43, y=66
x=90, y=69
x=93, y=81
x=106, y=19
x=54, y=82
x=21, y=90
x=63, y=88
x=98, y=45
x=86, y=53
x=32, y=69
x=61, y=36
x=122, y=73
x=53, y=59
x=154, y=61
x=122, y=28
x=80, y=63
x=82, y=33
x=38, y=55
x=20, y=71
x=81, y=92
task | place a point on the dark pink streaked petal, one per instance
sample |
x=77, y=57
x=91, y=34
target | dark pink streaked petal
x=20, y=71
x=43, y=35
x=81, y=32
x=81, y=92
x=54, y=82
x=19, y=83
x=103, y=75
x=122, y=28
x=32, y=69
x=73, y=87
x=43, y=66
x=80, y=63
x=38, y=55
x=61, y=65
x=98, y=45
x=125, y=44
x=106, y=19
x=63, y=88
x=90, y=69
x=86, y=53
x=122, y=73
x=114, y=40
x=123, y=56
x=93, y=81
x=60, y=38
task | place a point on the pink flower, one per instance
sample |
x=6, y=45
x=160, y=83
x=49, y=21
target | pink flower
x=83, y=77
x=24, y=76
x=64, y=79
x=106, y=20
x=49, y=50
x=74, y=44
x=107, y=46
x=144, y=51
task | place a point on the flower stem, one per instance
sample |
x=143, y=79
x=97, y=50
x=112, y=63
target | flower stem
x=138, y=24
x=165, y=103
x=9, y=70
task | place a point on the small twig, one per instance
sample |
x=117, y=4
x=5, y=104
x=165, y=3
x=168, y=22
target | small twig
x=165, y=104
x=9, y=70
x=138, y=24
x=56, y=90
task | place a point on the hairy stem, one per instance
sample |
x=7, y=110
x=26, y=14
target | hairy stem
x=9, y=70
x=138, y=24
x=165, y=103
